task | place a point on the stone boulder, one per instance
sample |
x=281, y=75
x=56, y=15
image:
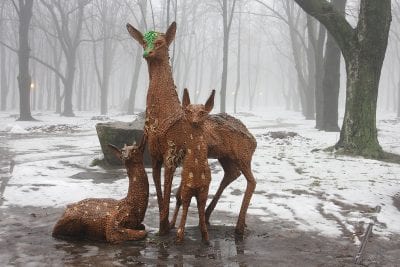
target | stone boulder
x=119, y=133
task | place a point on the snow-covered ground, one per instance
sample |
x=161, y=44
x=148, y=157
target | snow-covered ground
x=318, y=191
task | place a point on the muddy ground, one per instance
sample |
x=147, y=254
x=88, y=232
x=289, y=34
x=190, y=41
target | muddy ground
x=25, y=240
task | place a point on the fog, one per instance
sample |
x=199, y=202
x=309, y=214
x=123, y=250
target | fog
x=86, y=42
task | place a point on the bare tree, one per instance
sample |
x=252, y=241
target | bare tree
x=24, y=11
x=142, y=4
x=3, y=73
x=300, y=45
x=364, y=50
x=317, y=36
x=106, y=33
x=237, y=87
x=228, y=8
x=331, y=80
x=67, y=17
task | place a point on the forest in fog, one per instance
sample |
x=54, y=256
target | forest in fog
x=255, y=53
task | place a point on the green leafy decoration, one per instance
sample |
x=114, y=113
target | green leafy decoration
x=149, y=38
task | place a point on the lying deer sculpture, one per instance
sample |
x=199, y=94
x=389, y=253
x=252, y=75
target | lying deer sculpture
x=108, y=219
x=196, y=174
x=227, y=138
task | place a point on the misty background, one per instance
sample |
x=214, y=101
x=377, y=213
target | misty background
x=84, y=45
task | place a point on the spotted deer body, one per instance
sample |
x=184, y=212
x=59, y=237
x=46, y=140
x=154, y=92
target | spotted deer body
x=109, y=219
x=227, y=138
x=196, y=173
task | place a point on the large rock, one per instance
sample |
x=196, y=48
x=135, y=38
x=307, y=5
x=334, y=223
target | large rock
x=119, y=133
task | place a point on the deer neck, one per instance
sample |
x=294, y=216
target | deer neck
x=138, y=183
x=162, y=98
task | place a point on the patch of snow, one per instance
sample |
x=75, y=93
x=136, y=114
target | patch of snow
x=16, y=129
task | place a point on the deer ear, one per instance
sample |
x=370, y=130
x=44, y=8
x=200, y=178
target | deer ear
x=170, y=34
x=137, y=35
x=210, y=102
x=186, y=98
x=116, y=151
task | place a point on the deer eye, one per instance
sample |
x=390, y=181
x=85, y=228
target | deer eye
x=158, y=43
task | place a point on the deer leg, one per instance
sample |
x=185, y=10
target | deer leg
x=231, y=173
x=69, y=225
x=157, y=182
x=201, y=205
x=124, y=234
x=251, y=185
x=180, y=234
x=115, y=232
x=177, y=206
x=164, y=219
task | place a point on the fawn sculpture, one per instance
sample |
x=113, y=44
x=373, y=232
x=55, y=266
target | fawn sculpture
x=108, y=219
x=228, y=138
x=196, y=174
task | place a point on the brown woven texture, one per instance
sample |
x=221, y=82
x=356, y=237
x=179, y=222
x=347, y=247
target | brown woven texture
x=227, y=138
x=108, y=219
x=196, y=174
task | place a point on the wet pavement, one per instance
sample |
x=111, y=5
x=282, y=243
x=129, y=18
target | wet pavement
x=26, y=241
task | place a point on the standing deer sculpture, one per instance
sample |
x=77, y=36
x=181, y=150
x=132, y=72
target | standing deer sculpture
x=196, y=173
x=227, y=138
x=109, y=219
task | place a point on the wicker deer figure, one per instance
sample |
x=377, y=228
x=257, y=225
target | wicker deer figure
x=196, y=174
x=228, y=139
x=108, y=219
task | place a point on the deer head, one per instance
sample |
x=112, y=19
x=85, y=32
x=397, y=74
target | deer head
x=197, y=114
x=155, y=44
x=129, y=154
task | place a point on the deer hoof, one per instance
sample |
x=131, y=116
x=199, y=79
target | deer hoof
x=239, y=231
x=164, y=229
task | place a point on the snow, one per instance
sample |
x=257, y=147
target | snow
x=315, y=190
x=15, y=129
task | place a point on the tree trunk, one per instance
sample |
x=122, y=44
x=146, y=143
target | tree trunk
x=107, y=61
x=318, y=45
x=237, y=65
x=364, y=62
x=80, y=83
x=306, y=93
x=398, y=99
x=359, y=131
x=138, y=60
x=24, y=78
x=310, y=89
x=48, y=90
x=3, y=77
x=331, y=81
x=134, y=84
x=331, y=86
x=57, y=85
x=68, y=86
x=226, y=22
x=224, y=77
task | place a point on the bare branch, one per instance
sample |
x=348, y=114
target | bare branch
x=48, y=66
x=16, y=7
x=335, y=22
x=9, y=47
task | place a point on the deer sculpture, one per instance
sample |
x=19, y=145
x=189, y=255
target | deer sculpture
x=196, y=174
x=227, y=138
x=108, y=219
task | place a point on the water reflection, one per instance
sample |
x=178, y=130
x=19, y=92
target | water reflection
x=224, y=249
